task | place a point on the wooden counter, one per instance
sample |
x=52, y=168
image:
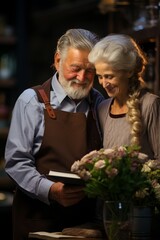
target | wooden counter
x=48, y=236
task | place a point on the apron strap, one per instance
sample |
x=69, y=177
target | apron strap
x=49, y=109
x=42, y=91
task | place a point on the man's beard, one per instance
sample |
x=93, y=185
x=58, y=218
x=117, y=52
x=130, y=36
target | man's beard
x=74, y=91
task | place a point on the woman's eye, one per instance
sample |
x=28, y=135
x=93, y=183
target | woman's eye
x=99, y=76
x=106, y=76
x=109, y=76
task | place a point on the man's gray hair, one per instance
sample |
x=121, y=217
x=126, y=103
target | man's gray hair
x=81, y=39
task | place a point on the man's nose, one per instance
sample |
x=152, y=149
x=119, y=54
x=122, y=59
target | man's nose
x=81, y=75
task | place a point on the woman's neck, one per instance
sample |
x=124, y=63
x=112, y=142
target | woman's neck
x=119, y=107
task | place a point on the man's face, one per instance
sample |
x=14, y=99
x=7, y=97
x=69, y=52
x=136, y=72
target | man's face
x=76, y=74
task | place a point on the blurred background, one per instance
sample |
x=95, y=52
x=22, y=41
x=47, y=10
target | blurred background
x=29, y=30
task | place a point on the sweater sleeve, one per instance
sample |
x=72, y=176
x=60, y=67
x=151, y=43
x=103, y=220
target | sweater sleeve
x=151, y=113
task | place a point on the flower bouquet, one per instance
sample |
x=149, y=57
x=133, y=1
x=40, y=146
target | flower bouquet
x=122, y=174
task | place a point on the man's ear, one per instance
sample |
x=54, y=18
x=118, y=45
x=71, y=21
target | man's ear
x=56, y=60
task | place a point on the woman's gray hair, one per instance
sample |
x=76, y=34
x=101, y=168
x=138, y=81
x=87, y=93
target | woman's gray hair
x=81, y=39
x=121, y=52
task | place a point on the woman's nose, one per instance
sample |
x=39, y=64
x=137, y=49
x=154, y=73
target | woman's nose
x=104, y=82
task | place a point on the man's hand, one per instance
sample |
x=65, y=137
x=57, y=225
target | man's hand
x=66, y=195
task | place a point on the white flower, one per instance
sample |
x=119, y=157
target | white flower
x=109, y=152
x=157, y=191
x=146, y=168
x=84, y=174
x=142, y=156
x=142, y=193
x=75, y=166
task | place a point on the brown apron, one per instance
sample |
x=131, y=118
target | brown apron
x=67, y=137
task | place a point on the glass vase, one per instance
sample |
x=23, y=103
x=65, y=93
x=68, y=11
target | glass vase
x=116, y=220
x=141, y=223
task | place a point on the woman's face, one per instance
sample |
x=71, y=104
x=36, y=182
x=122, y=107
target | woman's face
x=114, y=82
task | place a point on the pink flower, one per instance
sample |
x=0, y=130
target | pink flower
x=122, y=151
x=100, y=164
x=112, y=172
x=89, y=156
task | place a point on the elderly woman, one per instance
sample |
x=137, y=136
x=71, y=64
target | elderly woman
x=131, y=114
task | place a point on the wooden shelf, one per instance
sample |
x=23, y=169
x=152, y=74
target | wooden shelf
x=4, y=132
x=7, y=83
x=147, y=35
x=9, y=40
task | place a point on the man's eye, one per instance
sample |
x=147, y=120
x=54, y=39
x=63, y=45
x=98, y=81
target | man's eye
x=75, y=69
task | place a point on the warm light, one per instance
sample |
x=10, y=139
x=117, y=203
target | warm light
x=110, y=5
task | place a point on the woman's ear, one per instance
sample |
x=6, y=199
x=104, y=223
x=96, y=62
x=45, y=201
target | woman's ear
x=56, y=60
